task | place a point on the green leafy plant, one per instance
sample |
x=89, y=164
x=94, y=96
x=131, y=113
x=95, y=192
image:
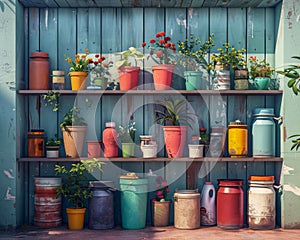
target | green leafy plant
x=228, y=55
x=161, y=49
x=80, y=62
x=55, y=141
x=173, y=113
x=72, y=118
x=75, y=188
x=126, y=55
x=293, y=73
x=51, y=99
x=127, y=134
x=193, y=51
x=259, y=68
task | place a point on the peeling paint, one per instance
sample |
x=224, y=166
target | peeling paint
x=8, y=195
x=8, y=173
x=291, y=188
x=286, y=170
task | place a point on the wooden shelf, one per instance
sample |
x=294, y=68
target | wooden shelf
x=184, y=159
x=155, y=92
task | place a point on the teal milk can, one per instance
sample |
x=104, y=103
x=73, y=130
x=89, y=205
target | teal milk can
x=263, y=132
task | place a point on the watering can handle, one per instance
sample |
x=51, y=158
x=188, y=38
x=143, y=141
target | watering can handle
x=278, y=119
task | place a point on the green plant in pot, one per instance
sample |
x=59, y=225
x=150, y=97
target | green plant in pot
x=127, y=136
x=128, y=74
x=75, y=189
x=192, y=54
x=99, y=72
x=174, y=114
x=74, y=131
x=292, y=72
x=52, y=147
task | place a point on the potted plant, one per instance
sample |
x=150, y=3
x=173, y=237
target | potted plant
x=74, y=131
x=192, y=57
x=174, y=115
x=161, y=51
x=160, y=205
x=99, y=72
x=79, y=69
x=260, y=71
x=51, y=99
x=196, y=147
x=76, y=190
x=129, y=75
x=293, y=73
x=52, y=147
x=227, y=57
x=127, y=136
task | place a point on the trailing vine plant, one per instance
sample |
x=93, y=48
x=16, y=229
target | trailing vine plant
x=51, y=99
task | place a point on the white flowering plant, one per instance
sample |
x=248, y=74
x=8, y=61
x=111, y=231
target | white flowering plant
x=127, y=134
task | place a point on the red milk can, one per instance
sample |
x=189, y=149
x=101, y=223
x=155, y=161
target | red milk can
x=230, y=204
x=39, y=71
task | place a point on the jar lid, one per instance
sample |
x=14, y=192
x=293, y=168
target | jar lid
x=101, y=184
x=263, y=112
x=261, y=178
x=39, y=55
x=230, y=182
x=58, y=72
x=110, y=124
x=237, y=123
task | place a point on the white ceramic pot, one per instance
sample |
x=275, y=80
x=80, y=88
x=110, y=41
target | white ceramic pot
x=52, y=151
x=149, y=151
x=196, y=151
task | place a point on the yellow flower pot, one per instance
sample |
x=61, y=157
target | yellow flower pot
x=76, y=218
x=78, y=80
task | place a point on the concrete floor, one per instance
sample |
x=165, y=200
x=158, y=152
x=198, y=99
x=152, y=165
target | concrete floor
x=215, y=233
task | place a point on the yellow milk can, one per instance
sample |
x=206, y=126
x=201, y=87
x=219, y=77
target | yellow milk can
x=237, y=139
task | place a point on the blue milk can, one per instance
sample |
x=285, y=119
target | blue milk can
x=263, y=132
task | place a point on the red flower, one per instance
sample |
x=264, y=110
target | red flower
x=95, y=63
x=174, y=49
x=253, y=58
x=103, y=58
x=160, y=34
x=161, y=41
x=154, y=200
x=152, y=40
x=164, y=183
x=143, y=44
x=172, y=44
x=105, y=65
x=159, y=53
x=111, y=61
x=97, y=55
x=100, y=60
x=167, y=45
x=167, y=39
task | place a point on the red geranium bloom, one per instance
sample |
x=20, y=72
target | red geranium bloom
x=100, y=60
x=144, y=44
x=167, y=39
x=159, y=53
x=161, y=34
x=105, y=65
x=103, y=58
x=152, y=40
x=167, y=45
x=97, y=55
x=172, y=44
x=161, y=41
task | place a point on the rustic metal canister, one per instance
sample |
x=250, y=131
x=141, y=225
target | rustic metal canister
x=39, y=71
x=263, y=132
x=261, y=202
x=237, y=139
x=187, y=209
x=58, y=80
x=35, y=143
x=230, y=204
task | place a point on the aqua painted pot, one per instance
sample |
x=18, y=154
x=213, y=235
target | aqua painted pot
x=193, y=80
x=261, y=83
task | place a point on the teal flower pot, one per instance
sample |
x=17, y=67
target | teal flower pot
x=261, y=83
x=193, y=80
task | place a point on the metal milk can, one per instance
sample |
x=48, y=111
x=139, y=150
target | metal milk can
x=263, y=132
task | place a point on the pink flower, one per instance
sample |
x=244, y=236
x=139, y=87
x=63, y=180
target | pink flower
x=159, y=193
x=164, y=183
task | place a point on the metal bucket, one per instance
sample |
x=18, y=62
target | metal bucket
x=261, y=202
x=187, y=209
x=47, y=208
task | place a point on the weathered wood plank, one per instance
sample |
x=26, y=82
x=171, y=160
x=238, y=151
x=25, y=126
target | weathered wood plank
x=218, y=26
x=94, y=30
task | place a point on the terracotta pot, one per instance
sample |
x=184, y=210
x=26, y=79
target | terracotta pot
x=78, y=80
x=75, y=218
x=162, y=76
x=74, y=140
x=129, y=77
x=94, y=148
x=160, y=213
x=175, y=139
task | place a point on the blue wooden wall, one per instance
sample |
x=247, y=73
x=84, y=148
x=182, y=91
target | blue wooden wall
x=108, y=30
